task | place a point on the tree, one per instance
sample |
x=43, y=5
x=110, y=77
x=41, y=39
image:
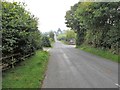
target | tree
x=45, y=41
x=70, y=34
x=59, y=31
x=96, y=24
x=51, y=36
x=20, y=34
x=73, y=21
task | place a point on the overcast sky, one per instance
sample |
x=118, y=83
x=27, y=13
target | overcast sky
x=50, y=12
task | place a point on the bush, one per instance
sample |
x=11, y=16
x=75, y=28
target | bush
x=45, y=41
x=20, y=34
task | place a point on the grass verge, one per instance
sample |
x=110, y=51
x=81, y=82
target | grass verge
x=29, y=74
x=100, y=52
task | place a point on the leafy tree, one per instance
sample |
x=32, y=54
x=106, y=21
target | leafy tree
x=51, y=36
x=59, y=31
x=20, y=34
x=73, y=21
x=45, y=41
x=61, y=37
x=96, y=24
x=70, y=34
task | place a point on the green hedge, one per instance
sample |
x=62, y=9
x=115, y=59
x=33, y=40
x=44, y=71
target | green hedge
x=20, y=34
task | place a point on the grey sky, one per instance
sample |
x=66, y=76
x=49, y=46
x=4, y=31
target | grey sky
x=50, y=12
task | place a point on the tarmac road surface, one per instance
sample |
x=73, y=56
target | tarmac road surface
x=69, y=67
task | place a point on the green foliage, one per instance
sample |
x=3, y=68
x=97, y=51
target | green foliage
x=20, y=33
x=96, y=24
x=51, y=36
x=73, y=21
x=68, y=37
x=61, y=36
x=46, y=41
x=70, y=34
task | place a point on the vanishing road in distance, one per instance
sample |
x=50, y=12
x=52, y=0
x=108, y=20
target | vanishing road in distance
x=69, y=67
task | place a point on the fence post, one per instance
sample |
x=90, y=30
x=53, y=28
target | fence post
x=13, y=62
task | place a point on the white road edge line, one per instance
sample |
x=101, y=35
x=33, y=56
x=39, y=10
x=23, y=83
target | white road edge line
x=117, y=85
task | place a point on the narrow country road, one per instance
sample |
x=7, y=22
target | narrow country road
x=69, y=67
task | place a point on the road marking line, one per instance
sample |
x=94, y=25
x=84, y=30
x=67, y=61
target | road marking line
x=117, y=85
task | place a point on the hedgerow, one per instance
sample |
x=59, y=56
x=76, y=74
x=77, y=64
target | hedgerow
x=20, y=34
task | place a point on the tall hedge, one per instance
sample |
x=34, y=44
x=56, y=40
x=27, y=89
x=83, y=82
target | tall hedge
x=20, y=34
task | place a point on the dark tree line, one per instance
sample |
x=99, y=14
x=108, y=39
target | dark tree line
x=96, y=23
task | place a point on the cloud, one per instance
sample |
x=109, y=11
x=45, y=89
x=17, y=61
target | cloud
x=50, y=12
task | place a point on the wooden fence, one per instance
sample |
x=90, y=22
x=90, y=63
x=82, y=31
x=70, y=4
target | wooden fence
x=4, y=66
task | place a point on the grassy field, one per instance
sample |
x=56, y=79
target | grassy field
x=100, y=52
x=29, y=74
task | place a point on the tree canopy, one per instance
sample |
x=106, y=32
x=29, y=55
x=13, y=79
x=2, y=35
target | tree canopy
x=96, y=24
x=20, y=34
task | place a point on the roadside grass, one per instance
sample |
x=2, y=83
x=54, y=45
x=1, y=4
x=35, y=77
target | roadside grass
x=100, y=52
x=29, y=74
